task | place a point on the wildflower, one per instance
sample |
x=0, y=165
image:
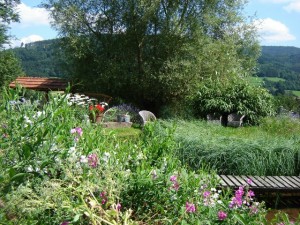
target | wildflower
x=222, y=215
x=206, y=194
x=93, y=160
x=173, y=178
x=118, y=207
x=104, y=197
x=83, y=159
x=190, y=207
x=249, y=181
x=176, y=186
x=253, y=210
x=65, y=223
x=250, y=194
x=154, y=174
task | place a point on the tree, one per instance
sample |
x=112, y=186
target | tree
x=223, y=97
x=154, y=52
x=9, y=65
x=8, y=14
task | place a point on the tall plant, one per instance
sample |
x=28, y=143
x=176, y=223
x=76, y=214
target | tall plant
x=153, y=52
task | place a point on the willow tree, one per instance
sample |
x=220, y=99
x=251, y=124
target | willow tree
x=153, y=51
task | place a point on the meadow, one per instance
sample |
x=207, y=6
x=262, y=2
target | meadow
x=56, y=167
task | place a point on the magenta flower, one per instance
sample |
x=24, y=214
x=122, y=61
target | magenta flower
x=93, y=160
x=65, y=223
x=249, y=181
x=190, y=207
x=79, y=131
x=176, y=186
x=104, y=197
x=173, y=178
x=250, y=194
x=206, y=194
x=222, y=215
x=118, y=207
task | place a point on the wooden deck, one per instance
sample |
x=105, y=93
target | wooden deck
x=288, y=184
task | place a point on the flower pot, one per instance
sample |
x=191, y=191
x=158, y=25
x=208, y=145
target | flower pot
x=96, y=118
x=127, y=118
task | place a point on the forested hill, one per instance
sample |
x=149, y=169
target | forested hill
x=41, y=58
x=44, y=59
x=280, y=62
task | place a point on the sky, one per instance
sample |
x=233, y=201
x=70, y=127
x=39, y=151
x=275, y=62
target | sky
x=278, y=22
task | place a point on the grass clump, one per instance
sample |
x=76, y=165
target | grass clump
x=244, y=151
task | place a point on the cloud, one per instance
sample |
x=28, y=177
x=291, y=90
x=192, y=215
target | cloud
x=25, y=40
x=273, y=31
x=30, y=16
x=293, y=6
x=290, y=5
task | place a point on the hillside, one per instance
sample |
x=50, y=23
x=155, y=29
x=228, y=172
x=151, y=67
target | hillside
x=41, y=58
x=280, y=62
x=279, y=67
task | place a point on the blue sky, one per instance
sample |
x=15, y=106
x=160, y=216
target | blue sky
x=277, y=20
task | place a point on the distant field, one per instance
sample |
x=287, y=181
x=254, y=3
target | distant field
x=257, y=81
x=297, y=93
x=274, y=79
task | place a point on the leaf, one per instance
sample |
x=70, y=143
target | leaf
x=76, y=218
x=19, y=177
x=26, y=150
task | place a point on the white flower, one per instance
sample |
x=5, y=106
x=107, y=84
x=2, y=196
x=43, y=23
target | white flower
x=83, y=159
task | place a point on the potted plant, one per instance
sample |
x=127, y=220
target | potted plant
x=96, y=112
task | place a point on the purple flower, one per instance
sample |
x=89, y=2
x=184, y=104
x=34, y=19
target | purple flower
x=93, y=160
x=175, y=186
x=222, y=215
x=79, y=131
x=190, y=207
x=250, y=193
x=206, y=194
x=118, y=207
x=173, y=178
x=249, y=181
x=65, y=223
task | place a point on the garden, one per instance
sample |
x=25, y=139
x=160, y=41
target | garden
x=58, y=167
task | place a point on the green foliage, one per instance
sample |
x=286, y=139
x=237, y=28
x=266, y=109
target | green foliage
x=8, y=14
x=233, y=96
x=42, y=58
x=57, y=167
x=280, y=62
x=9, y=68
x=272, y=149
x=153, y=52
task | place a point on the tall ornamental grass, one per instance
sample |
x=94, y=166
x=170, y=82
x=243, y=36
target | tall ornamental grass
x=58, y=168
x=271, y=149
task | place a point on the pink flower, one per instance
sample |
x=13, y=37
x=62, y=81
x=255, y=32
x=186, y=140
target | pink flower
x=250, y=193
x=65, y=223
x=190, y=207
x=93, y=160
x=173, y=178
x=176, y=186
x=206, y=194
x=249, y=181
x=118, y=207
x=222, y=215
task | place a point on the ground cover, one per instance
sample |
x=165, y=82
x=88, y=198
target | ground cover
x=274, y=79
x=58, y=168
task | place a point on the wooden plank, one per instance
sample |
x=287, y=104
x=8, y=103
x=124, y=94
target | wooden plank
x=221, y=181
x=278, y=183
x=264, y=183
x=257, y=182
x=227, y=181
x=252, y=183
x=241, y=180
x=273, y=184
x=288, y=183
x=295, y=182
x=296, y=179
x=234, y=180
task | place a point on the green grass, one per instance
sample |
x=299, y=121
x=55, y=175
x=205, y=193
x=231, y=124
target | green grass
x=270, y=149
x=256, y=81
x=274, y=79
x=296, y=93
